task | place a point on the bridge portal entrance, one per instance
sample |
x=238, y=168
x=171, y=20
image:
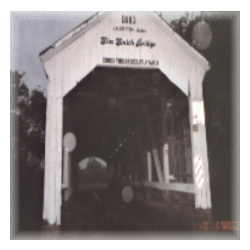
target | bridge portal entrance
x=128, y=90
x=138, y=122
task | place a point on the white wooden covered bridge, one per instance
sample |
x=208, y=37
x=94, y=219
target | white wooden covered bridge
x=130, y=91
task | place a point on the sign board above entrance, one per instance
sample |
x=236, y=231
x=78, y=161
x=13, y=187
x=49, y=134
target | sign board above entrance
x=122, y=39
x=120, y=42
x=129, y=40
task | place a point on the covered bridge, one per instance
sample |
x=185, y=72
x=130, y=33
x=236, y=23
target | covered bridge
x=123, y=86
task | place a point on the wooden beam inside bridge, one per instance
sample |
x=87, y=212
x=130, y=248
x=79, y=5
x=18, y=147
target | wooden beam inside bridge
x=179, y=187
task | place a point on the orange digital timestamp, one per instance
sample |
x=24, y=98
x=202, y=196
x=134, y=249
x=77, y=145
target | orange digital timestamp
x=220, y=226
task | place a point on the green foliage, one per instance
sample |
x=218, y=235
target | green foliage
x=217, y=82
x=217, y=93
x=184, y=26
x=29, y=109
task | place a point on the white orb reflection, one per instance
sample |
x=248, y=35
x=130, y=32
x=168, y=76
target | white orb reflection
x=127, y=194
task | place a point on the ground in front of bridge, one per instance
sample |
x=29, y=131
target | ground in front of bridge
x=105, y=211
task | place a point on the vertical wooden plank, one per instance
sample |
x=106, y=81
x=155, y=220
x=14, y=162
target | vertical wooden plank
x=204, y=150
x=53, y=151
x=59, y=159
x=194, y=153
x=149, y=166
x=157, y=164
x=52, y=163
x=141, y=174
x=174, y=155
x=69, y=170
x=164, y=119
x=154, y=150
x=170, y=150
x=47, y=160
x=68, y=190
x=198, y=140
x=65, y=168
x=58, y=82
x=178, y=153
x=166, y=163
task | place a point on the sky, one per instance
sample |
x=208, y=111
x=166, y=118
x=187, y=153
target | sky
x=83, y=164
x=32, y=32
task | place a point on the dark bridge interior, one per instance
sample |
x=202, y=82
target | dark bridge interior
x=120, y=114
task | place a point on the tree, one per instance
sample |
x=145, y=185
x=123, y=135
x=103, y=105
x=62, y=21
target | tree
x=217, y=86
x=30, y=115
x=28, y=147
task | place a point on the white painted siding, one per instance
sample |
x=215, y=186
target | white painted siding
x=77, y=54
x=85, y=53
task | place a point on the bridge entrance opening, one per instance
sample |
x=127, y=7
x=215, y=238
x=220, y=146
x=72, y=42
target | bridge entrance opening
x=137, y=121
